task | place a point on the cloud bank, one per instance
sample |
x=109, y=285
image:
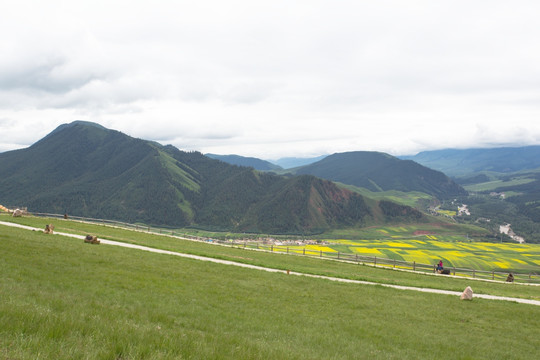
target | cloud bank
x=275, y=78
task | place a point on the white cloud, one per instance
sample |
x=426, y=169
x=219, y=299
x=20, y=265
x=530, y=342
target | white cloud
x=275, y=78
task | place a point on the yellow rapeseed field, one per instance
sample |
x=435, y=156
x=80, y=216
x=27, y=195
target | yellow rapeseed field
x=366, y=251
x=476, y=255
x=400, y=244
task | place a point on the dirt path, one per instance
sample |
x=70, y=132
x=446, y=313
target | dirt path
x=233, y=263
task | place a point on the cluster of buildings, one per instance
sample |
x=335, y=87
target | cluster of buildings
x=496, y=194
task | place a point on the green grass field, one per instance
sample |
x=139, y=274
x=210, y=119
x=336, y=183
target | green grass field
x=492, y=185
x=63, y=299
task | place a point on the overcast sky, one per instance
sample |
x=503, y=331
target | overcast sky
x=275, y=78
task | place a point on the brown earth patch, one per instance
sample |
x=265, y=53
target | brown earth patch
x=424, y=232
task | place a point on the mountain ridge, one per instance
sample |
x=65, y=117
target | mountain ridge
x=92, y=171
x=460, y=162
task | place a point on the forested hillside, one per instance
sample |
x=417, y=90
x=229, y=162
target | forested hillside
x=512, y=198
x=381, y=172
x=504, y=186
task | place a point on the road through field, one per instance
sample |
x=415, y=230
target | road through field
x=233, y=263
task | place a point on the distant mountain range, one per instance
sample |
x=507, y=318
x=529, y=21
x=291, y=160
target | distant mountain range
x=265, y=165
x=454, y=162
x=252, y=162
x=85, y=169
x=293, y=162
x=377, y=172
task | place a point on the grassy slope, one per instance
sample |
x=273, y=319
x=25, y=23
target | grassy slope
x=64, y=299
x=411, y=198
x=281, y=261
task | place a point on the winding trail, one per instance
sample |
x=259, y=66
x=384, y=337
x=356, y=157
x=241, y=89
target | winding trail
x=261, y=268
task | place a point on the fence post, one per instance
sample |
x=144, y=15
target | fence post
x=356, y=257
x=394, y=263
x=414, y=266
x=375, y=261
x=473, y=273
x=321, y=254
x=454, y=271
x=272, y=248
x=492, y=274
x=304, y=251
x=287, y=249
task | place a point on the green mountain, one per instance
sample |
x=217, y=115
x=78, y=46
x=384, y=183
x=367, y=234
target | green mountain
x=255, y=163
x=377, y=171
x=87, y=170
x=454, y=162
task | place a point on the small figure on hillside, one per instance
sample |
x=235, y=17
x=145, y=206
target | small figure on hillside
x=91, y=239
x=510, y=278
x=49, y=229
x=440, y=265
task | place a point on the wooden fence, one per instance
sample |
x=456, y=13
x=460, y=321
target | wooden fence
x=532, y=277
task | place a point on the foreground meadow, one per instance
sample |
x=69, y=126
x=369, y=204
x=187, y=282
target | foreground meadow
x=63, y=299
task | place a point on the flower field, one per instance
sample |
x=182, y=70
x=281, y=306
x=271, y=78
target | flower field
x=429, y=249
